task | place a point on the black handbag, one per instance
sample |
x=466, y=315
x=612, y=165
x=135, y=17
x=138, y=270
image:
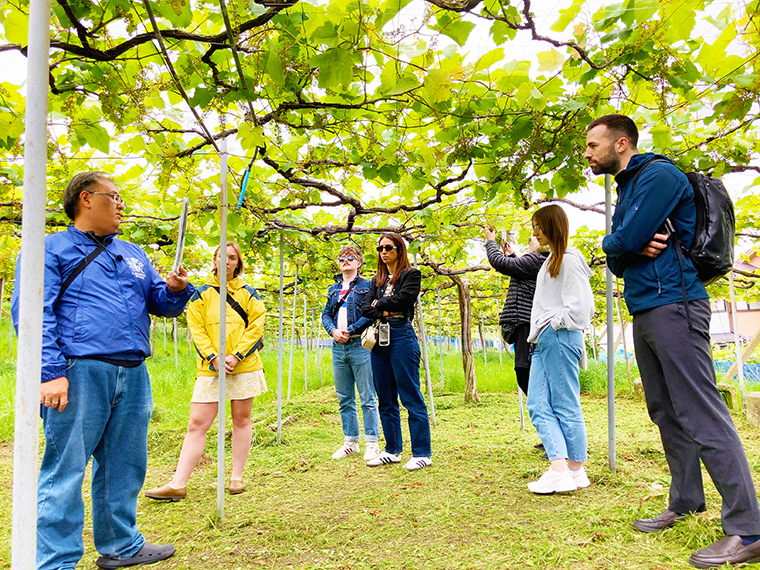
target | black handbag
x=509, y=332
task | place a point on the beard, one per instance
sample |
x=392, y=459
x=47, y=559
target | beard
x=607, y=164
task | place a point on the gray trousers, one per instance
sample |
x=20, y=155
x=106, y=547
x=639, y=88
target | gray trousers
x=682, y=399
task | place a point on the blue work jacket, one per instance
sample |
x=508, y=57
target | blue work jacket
x=105, y=310
x=662, y=191
x=356, y=322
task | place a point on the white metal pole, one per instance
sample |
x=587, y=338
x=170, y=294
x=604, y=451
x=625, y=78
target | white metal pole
x=610, y=335
x=737, y=344
x=440, y=332
x=31, y=279
x=520, y=403
x=425, y=351
x=317, y=341
x=165, y=351
x=174, y=334
x=305, y=346
x=292, y=331
x=280, y=341
x=220, y=478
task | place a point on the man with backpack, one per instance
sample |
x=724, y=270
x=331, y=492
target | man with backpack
x=671, y=320
x=95, y=394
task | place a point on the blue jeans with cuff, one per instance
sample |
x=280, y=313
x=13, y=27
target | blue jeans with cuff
x=352, y=372
x=554, y=394
x=107, y=419
x=396, y=370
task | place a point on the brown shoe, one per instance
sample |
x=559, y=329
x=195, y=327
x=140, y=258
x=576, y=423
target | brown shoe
x=165, y=493
x=236, y=487
x=728, y=549
x=665, y=519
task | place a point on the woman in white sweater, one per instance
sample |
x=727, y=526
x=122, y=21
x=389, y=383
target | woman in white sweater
x=562, y=307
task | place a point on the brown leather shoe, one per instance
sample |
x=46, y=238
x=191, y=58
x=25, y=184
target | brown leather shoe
x=165, y=493
x=665, y=519
x=236, y=487
x=727, y=549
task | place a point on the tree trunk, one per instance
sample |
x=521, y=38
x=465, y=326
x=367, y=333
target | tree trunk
x=468, y=359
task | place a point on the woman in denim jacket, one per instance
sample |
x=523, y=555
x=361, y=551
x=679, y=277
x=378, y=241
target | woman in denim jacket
x=342, y=318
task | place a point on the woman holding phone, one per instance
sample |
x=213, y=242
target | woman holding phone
x=396, y=356
x=562, y=307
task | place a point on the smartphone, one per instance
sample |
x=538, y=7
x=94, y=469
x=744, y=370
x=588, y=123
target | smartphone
x=666, y=228
x=383, y=334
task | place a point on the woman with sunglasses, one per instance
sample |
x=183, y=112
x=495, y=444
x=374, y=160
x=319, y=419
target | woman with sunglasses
x=352, y=370
x=245, y=315
x=396, y=356
x=562, y=307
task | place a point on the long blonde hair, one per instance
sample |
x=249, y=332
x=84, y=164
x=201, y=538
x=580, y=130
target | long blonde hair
x=239, y=269
x=554, y=224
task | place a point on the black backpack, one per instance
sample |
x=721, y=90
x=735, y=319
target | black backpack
x=712, y=251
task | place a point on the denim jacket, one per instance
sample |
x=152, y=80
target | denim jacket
x=356, y=322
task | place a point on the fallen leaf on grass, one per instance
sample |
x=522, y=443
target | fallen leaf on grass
x=375, y=512
x=351, y=474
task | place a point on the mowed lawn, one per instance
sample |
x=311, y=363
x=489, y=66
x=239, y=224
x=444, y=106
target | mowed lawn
x=471, y=509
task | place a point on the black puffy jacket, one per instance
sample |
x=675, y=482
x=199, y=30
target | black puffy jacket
x=522, y=285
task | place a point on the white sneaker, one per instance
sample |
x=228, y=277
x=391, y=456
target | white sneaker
x=553, y=482
x=418, y=463
x=371, y=451
x=383, y=459
x=346, y=449
x=580, y=478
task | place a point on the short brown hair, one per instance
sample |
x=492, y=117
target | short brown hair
x=239, y=269
x=621, y=125
x=81, y=182
x=351, y=250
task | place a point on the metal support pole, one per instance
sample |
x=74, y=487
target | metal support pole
x=305, y=346
x=31, y=279
x=165, y=350
x=610, y=335
x=293, y=331
x=220, y=478
x=440, y=332
x=174, y=334
x=280, y=341
x=737, y=345
x=425, y=351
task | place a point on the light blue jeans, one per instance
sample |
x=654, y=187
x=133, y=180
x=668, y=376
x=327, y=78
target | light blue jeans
x=352, y=372
x=107, y=419
x=554, y=394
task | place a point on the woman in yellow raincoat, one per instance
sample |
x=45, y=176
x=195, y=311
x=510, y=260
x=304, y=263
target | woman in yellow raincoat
x=244, y=371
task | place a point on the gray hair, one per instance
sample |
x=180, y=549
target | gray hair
x=80, y=183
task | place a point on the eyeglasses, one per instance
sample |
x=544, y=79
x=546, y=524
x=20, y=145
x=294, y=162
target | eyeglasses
x=115, y=197
x=536, y=229
x=386, y=248
x=346, y=258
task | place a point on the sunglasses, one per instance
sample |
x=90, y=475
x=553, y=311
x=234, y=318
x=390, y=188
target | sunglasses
x=347, y=258
x=386, y=248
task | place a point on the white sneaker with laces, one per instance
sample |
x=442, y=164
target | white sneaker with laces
x=416, y=463
x=580, y=478
x=383, y=459
x=553, y=482
x=346, y=449
x=371, y=451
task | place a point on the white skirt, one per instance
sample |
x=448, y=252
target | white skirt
x=236, y=387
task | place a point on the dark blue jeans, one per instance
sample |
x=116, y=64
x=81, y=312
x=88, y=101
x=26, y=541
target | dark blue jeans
x=396, y=372
x=106, y=419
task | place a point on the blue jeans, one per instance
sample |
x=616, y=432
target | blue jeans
x=396, y=370
x=554, y=394
x=107, y=419
x=352, y=371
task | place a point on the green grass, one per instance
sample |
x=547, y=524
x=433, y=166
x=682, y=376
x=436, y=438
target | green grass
x=470, y=510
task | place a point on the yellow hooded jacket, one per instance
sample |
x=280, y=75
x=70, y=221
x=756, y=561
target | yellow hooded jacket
x=242, y=341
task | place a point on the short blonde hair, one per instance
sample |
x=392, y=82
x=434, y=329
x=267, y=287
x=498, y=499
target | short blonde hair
x=352, y=250
x=236, y=247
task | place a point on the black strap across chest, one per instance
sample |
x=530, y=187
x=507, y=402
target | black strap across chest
x=235, y=306
x=81, y=267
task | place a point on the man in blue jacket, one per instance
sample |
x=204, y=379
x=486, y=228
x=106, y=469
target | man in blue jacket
x=673, y=341
x=95, y=394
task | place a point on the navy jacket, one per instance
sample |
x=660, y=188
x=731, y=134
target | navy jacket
x=356, y=322
x=662, y=191
x=105, y=310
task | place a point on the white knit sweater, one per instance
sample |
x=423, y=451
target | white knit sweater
x=565, y=301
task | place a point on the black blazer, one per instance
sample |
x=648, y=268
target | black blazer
x=406, y=289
